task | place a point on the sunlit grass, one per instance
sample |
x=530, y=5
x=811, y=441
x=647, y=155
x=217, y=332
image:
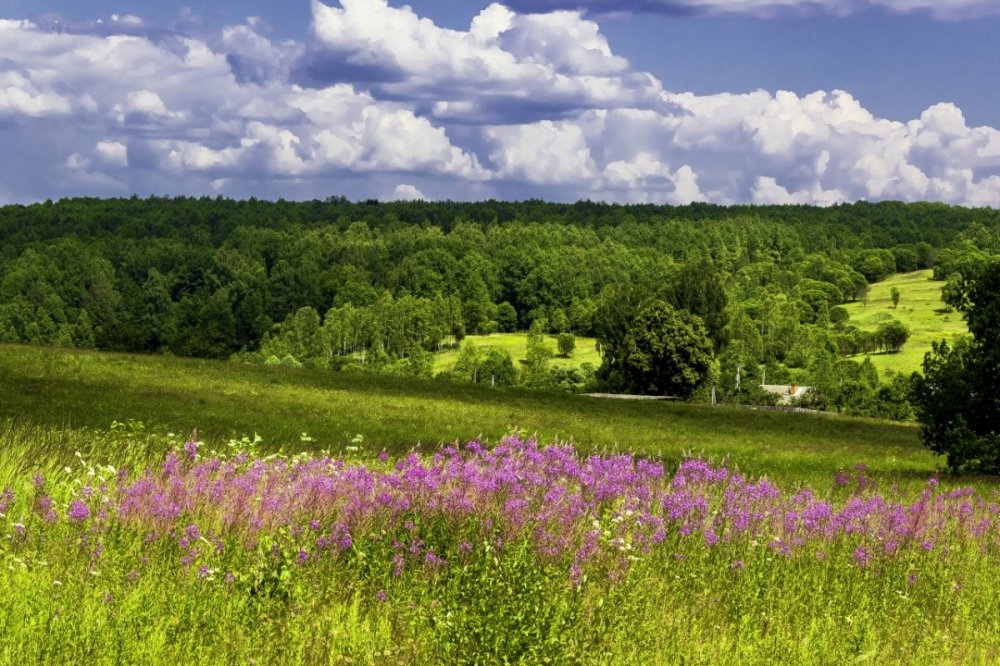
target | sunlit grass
x=74, y=389
x=920, y=309
x=516, y=344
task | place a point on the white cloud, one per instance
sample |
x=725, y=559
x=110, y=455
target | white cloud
x=20, y=96
x=944, y=9
x=517, y=105
x=407, y=192
x=542, y=153
x=168, y=114
x=505, y=68
x=113, y=153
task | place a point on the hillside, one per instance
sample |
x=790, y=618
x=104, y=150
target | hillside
x=920, y=309
x=74, y=389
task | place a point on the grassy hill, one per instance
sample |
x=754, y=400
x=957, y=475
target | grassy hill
x=163, y=573
x=920, y=309
x=516, y=345
x=73, y=389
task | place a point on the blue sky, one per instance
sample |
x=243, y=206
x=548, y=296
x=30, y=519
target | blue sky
x=635, y=100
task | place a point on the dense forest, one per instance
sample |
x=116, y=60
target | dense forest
x=382, y=285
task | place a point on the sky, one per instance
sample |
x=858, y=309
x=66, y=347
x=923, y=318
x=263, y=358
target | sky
x=659, y=101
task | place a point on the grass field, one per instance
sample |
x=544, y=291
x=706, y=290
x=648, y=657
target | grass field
x=920, y=309
x=784, y=538
x=74, y=389
x=516, y=345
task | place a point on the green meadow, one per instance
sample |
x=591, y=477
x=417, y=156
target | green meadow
x=178, y=582
x=516, y=344
x=920, y=309
x=70, y=389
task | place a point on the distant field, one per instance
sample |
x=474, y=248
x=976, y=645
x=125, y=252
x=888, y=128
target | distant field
x=920, y=309
x=72, y=389
x=516, y=344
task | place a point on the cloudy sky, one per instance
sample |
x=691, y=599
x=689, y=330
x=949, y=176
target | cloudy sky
x=672, y=101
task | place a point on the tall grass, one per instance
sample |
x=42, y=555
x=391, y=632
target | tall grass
x=166, y=551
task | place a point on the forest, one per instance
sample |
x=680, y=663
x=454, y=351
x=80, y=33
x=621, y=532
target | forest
x=370, y=286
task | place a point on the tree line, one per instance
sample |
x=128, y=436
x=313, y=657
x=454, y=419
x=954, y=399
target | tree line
x=384, y=283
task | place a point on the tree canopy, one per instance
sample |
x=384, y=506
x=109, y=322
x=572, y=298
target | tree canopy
x=958, y=398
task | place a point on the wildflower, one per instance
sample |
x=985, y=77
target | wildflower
x=78, y=511
x=861, y=557
x=381, y=596
x=398, y=562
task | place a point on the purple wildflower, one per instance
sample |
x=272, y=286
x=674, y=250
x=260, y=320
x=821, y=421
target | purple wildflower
x=78, y=511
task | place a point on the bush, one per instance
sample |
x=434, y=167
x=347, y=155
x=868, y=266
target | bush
x=893, y=335
x=566, y=343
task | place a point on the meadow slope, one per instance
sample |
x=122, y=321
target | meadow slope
x=75, y=389
x=920, y=309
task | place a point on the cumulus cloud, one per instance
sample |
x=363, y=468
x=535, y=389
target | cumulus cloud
x=944, y=9
x=407, y=192
x=505, y=68
x=102, y=110
x=384, y=103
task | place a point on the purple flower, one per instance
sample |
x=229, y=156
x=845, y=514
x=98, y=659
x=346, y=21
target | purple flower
x=78, y=511
x=381, y=596
x=861, y=557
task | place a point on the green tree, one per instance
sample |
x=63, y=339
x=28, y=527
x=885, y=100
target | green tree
x=468, y=362
x=497, y=368
x=665, y=352
x=700, y=291
x=953, y=291
x=894, y=293
x=507, y=317
x=957, y=400
x=893, y=335
x=535, y=370
x=566, y=342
